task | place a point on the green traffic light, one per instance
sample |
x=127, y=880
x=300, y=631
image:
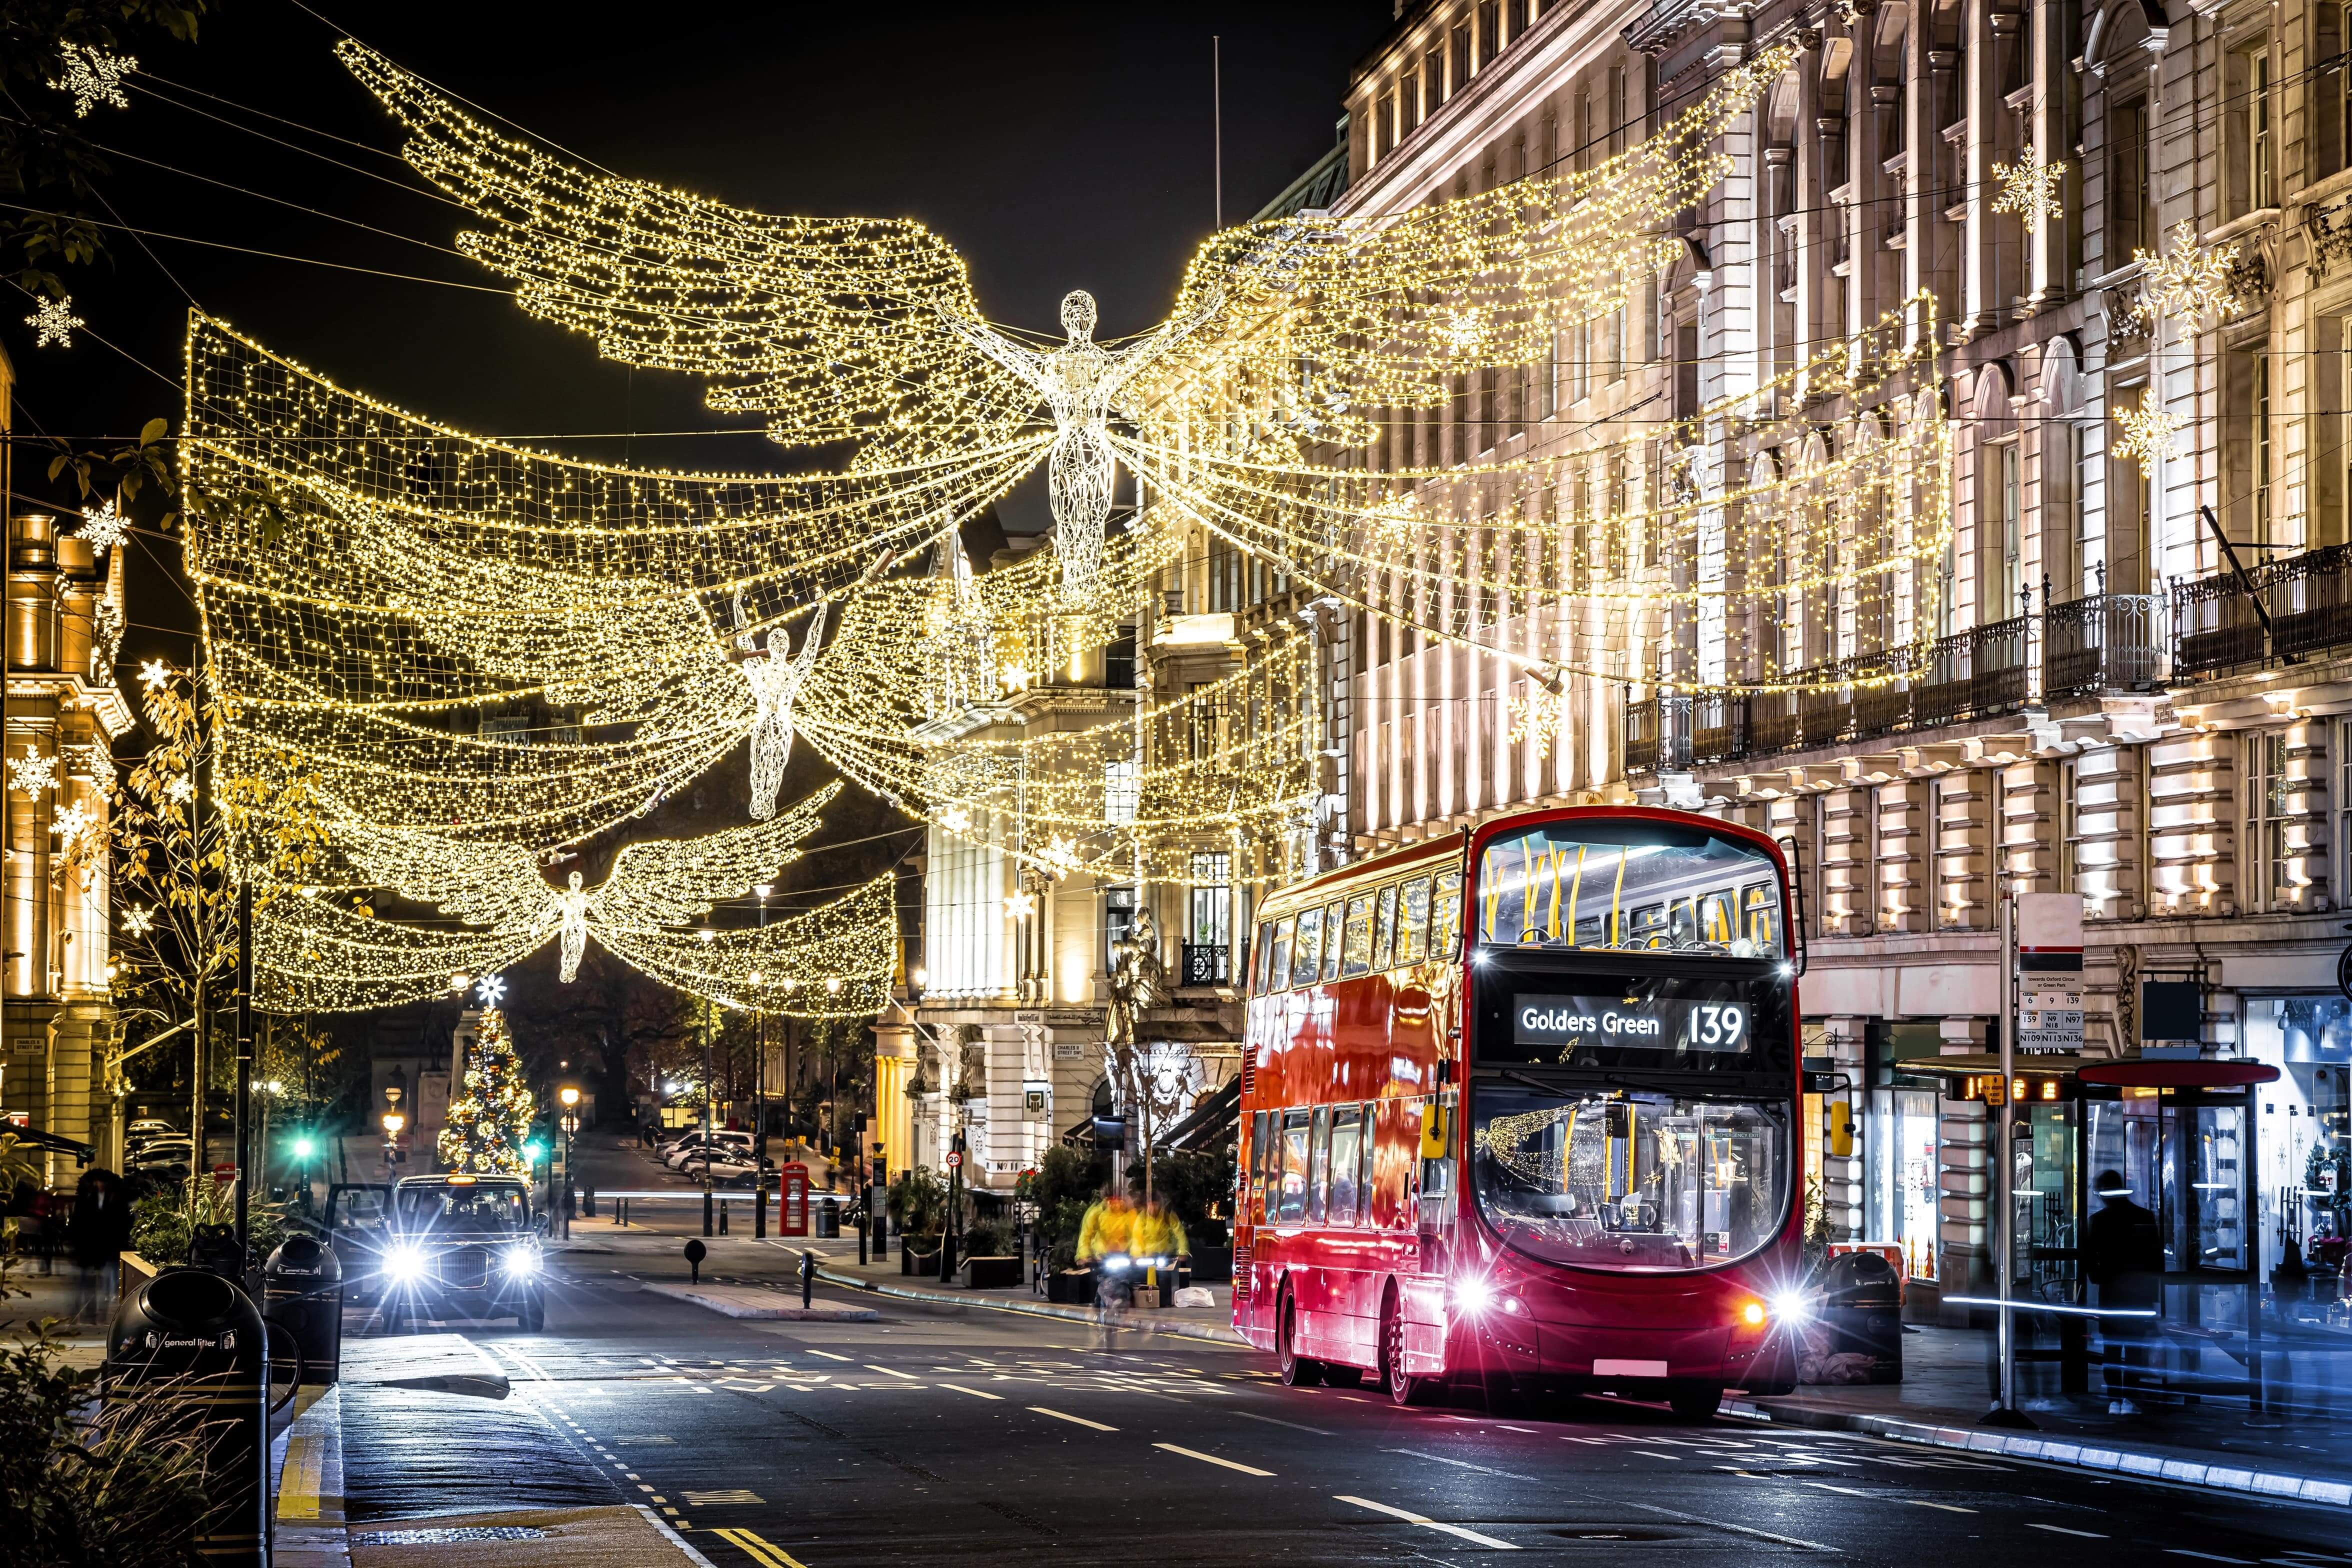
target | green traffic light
x=305, y=1147
x=534, y=1150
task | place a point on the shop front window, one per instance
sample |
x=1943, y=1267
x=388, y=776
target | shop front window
x=1900, y=1193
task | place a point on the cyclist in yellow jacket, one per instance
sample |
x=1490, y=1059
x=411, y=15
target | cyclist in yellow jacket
x=1106, y=1241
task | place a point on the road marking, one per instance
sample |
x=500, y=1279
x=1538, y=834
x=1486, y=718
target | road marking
x=712, y=1500
x=1471, y=1536
x=1680, y=1517
x=1461, y=1464
x=1653, y=1453
x=1270, y=1421
x=1948, y=1508
x=1212, y=1459
x=975, y=1393
x=829, y=1355
x=1508, y=1428
x=2206, y=1556
x=2062, y=1530
x=1074, y=1420
x=642, y=1488
x=766, y=1553
x=1841, y=1491
x=1594, y=1441
x=887, y=1372
x=297, y=1496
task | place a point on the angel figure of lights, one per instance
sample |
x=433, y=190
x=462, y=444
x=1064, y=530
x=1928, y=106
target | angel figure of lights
x=776, y=680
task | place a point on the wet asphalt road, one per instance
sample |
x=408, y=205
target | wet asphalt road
x=977, y=1438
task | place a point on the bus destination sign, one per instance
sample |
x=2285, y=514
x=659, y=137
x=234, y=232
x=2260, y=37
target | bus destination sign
x=1567, y=1023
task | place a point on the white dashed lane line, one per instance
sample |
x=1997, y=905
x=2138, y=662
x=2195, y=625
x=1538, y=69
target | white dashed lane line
x=1074, y=1420
x=1457, y=1530
x=2204, y=1556
x=888, y=1372
x=2062, y=1530
x=975, y=1393
x=1212, y=1459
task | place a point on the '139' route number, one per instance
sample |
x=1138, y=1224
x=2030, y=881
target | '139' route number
x=1712, y=1024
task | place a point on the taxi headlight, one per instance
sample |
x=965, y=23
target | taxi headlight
x=520, y=1261
x=403, y=1262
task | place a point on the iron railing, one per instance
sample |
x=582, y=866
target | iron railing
x=2107, y=642
x=2309, y=597
x=2216, y=624
x=1970, y=674
x=1204, y=962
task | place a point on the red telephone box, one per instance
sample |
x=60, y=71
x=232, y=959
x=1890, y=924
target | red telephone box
x=791, y=1200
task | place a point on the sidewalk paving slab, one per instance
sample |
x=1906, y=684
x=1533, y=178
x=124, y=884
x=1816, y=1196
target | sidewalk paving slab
x=758, y=1301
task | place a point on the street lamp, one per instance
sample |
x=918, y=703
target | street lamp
x=392, y=1122
x=760, y=1092
x=570, y=1096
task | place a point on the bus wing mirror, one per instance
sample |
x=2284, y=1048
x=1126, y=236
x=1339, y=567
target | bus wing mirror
x=1432, y=1132
x=1840, y=1140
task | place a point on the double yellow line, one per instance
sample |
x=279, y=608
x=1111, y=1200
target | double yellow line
x=766, y=1553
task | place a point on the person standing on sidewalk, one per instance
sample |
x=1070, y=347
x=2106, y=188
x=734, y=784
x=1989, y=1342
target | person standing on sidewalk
x=1159, y=1236
x=2125, y=1259
x=100, y=1231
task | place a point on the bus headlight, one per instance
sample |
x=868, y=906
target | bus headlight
x=404, y=1263
x=1791, y=1308
x=1473, y=1295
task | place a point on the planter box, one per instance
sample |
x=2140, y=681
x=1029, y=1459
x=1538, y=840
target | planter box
x=1212, y=1264
x=1071, y=1287
x=992, y=1273
x=912, y=1260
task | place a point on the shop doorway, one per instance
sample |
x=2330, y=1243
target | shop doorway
x=2188, y=1156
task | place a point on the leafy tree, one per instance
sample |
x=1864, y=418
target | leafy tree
x=49, y=163
x=488, y=1124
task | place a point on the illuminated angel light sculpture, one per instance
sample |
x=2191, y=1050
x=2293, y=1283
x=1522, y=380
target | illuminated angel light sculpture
x=776, y=680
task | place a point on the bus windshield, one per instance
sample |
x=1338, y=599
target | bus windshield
x=1629, y=883
x=1630, y=1179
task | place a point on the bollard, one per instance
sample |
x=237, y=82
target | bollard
x=196, y=1331
x=695, y=1253
x=588, y=1202
x=722, y=1217
x=808, y=1280
x=302, y=1289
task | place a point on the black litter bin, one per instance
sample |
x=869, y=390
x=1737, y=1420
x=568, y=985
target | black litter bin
x=302, y=1288
x=196, y=1332
x=827, y=1212
x=1858, y=1322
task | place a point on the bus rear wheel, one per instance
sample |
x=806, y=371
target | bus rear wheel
x=1297, y=1371
x=1403, y=1387
x=1695, y=1401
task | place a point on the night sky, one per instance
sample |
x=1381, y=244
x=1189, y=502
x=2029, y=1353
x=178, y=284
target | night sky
x=1056, y=147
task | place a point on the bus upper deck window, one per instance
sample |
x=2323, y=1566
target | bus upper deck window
x=1445, y=916
x=1332, y=930
x=1413, y=922
x=1760, y=913
x=1356, y=946
x=1277, y=968
x=1307, y=952
x=1384, y=928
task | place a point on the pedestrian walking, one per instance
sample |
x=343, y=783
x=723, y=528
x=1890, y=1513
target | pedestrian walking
x=100, y=1230
x=2125, y=1259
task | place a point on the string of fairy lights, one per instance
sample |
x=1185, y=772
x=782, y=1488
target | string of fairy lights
x=481, y=659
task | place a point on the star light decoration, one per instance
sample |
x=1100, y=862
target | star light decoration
x=491, y=990
x=102, y=527
x=2188, y=282
x=53, y=321
x=2148, y=433
x=93, y=78
x=32, y=771
x=2031, y=188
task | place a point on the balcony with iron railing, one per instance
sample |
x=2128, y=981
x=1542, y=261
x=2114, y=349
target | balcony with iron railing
x=2277, y=612
x=1205, y=963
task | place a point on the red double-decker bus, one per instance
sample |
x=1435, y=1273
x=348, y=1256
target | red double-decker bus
x=1522, y=1106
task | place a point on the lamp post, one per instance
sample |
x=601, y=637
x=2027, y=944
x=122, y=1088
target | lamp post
x=570, y=1095
x=760, y=1095
x=709, y=1128
x=392, y=1122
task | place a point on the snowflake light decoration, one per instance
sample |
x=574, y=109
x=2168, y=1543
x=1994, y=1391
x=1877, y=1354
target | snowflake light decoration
x=2189, y=281
x=1536, y=718
x=492, y=990
x=72, y=822
x=180, y=788
x=2028, y=188
x=1060, y=857
x=93, y=79
x=155, y=674
x=956, y=820
x=138, y=920
x=33, y=773
x=2148, y=431
x=102, y=527
x=53, y=321
x=1020, y=906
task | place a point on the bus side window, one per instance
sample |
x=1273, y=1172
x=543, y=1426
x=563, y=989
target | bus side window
x=1293, y=1208
x=1682, y=927
x=1445, y=918
x=1356, y=948
x=1258, y=955
x=1364, y=1178
x=1306, y=954
x=1262, y=1161
x=1413, y=922
x=1717, y=922
x=1346, y=1158
x=1648, y=925
x=1318, y=1164
x=1384, y=929
x=1277, y=968
x=1394, y=1127
x=1332, y=932
x=1763, y=928
x=1591, y=931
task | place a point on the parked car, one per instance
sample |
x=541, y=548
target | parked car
x=358, y=1222
x=162, y=1159
x=463, y=1246
x=730, y=1166
x=148, y=1127
x=688, y=1150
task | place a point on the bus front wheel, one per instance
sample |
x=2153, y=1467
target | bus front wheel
x=1695, y=1401
x=1297, y=1371
x=1403, y=1388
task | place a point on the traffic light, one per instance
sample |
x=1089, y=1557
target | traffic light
x=534, y=1151
x=1839, y=1132
x=305, y=1146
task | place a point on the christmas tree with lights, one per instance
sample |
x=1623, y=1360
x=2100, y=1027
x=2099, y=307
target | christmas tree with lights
x=488, y=1121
